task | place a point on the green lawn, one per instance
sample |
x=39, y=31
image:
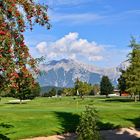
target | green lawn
x=44, y=116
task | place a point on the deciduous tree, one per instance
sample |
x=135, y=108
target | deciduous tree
x=82, y=88
x=15, y=61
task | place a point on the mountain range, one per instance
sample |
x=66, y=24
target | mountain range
x=64, y=72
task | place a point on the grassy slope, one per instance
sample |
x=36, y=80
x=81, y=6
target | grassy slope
x=43, y=116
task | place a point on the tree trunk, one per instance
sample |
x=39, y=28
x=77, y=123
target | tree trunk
x=131, y=96
x=107, y=96
x=20, y=101
x=139, y=96
x=135, y=98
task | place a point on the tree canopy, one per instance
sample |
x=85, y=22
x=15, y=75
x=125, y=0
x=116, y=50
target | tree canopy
x=82, y=88
x=15, y=61
x=132, y=74
x=122, y=82
x=106, y=87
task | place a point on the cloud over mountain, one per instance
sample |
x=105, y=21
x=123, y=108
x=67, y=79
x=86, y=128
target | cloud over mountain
x=71, y=46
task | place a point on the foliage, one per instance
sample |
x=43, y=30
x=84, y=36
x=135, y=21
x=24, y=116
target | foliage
x=46, y=89
x=35, y=91
x=87, y=128
x=122, y=82
x=15, y=61
x=59, y=92
x=39, y=114
x=132, y=74
x=82, y=88
x=45, y=94
x=51, y=93
x=68, y=91
x=106, y=87
x=25, y=92
x=95, y=90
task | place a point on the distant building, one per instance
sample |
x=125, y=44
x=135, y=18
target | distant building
x=116, y=91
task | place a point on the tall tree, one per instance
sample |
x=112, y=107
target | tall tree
x=132, y=74
x=26, y=92
x=82, y=88
x=15, y=61
x=122, y=82
x=106, y=87
x=52, y=92
x=76, y=86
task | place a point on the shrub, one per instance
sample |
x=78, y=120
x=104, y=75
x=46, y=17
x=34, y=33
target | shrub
x=87, y=128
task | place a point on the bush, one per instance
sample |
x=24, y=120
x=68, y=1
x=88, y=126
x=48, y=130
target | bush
x=87, y=128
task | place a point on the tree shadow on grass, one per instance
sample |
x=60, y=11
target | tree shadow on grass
x=68, y=121
x=3, y=135
x=119, y=100
x=118, y=135
x=135, y=121
x=14, y=103
x=4, y=125
x=107, y=126
x=110, y=131
x=115, y=132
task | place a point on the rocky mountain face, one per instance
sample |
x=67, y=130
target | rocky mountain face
x=63, y=73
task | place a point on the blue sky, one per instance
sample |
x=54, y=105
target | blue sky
x=93, y=31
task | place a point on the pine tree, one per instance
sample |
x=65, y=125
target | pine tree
x=122, y=82
x=132, y=74
x=106, y=87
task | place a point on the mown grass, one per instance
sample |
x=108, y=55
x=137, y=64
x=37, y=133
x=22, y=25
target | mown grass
x=48, y=116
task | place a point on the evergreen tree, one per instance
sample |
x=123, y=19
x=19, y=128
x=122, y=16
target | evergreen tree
x=52, y=92
x=25, y=90
x=59, y=92
x=106, y=87
x=132, y=74
x=122, y=82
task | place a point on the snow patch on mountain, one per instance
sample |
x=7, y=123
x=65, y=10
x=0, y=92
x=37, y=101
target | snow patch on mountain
x=63, y=73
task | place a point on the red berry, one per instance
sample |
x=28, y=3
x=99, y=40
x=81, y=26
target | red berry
x=2, y=33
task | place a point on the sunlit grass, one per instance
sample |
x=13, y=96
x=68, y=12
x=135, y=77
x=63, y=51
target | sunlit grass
x=48, y=116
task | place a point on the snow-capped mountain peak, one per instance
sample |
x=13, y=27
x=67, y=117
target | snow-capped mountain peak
x=63, y=73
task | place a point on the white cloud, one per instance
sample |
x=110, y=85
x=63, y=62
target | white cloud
x=42, y=47
x=71, y=46
x=75, y=18
x=95, y=58
x=97, y=18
